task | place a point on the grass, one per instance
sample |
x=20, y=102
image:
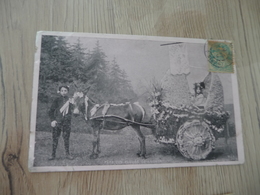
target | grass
x=117, y=149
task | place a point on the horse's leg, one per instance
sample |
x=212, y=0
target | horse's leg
x=98, y=141
x=95, y=135
x=141, y=138
x=94, y=144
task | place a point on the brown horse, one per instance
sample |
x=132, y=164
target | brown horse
x=110, y=117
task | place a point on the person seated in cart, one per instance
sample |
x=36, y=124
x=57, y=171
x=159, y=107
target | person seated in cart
x=198, y=99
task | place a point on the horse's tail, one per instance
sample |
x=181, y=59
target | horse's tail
x=141, y=108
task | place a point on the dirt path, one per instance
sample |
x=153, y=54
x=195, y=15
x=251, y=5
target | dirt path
x=120, y=149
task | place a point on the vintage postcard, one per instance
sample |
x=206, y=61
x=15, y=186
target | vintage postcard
x=106, y=102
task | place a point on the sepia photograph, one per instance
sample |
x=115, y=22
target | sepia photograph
x=109, y=102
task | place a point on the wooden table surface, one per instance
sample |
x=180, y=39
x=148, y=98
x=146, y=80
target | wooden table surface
x=237, y=20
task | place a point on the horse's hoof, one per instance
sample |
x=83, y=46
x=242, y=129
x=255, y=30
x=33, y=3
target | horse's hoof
x=93, y=156
x=141, y=155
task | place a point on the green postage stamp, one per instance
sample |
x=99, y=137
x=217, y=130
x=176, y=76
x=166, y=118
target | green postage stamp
x=220, y=57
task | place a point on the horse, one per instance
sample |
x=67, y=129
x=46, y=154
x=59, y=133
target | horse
x=110, y=117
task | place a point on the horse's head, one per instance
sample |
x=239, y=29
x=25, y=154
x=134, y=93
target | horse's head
x=79, y=102
x=84, y=104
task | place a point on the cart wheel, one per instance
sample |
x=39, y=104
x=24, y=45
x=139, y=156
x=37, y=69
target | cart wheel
x=195, y=140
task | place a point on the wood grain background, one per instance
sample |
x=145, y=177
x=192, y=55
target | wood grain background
x=237, y=20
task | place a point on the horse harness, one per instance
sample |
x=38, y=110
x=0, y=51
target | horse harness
x=106, y=107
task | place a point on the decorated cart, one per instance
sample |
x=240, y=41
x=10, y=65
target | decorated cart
x=191, y=129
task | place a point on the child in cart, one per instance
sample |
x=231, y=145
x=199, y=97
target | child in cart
x=198, y=99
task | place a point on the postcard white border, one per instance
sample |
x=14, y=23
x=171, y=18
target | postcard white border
x=239, y=137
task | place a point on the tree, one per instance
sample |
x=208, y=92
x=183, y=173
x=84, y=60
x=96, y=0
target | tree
x=120, y=87
x=97, y=73
x=79, y=63
x=63, y=63
x=115, y=79
x=54, y=66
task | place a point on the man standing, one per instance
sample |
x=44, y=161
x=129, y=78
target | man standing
x=60, y=115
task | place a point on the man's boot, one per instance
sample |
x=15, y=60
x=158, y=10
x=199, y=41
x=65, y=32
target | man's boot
x=67, y=147
x=53, y=156
x=68, y=156
x=54, y=147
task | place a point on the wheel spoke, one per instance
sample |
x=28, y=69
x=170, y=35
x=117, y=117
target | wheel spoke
x=193, y=150
x=188, y=143
x=200, y=151
x=187, y=146
x=203, y=131
x=187, y=135
x=205, y=145
x=193, y=131
x=207, y=139
x=197, y=130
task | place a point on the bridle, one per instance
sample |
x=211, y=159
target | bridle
x=87, y=100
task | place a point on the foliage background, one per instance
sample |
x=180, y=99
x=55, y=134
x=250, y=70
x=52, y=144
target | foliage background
x=71, y=64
